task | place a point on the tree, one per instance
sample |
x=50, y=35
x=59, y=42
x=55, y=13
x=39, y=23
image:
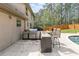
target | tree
x=57, y=14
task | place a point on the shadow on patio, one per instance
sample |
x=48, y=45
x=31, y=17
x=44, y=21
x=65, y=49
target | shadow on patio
x=62, y=50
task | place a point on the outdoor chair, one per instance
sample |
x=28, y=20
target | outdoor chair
x=55, y=37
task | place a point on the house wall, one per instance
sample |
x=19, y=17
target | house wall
x=30, y=19
x=9, y=32
x=20, y=7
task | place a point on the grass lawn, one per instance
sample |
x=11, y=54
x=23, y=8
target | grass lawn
x=70, y=31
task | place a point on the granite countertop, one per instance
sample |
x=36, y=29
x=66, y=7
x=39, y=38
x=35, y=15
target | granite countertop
x=45, y=34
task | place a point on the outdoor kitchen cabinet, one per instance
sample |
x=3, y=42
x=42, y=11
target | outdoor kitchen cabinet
x=32, y=35
x=46, y=43
x=25, y=35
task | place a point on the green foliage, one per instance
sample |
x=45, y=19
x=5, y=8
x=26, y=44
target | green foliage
x=57, y=13
x=70, y=31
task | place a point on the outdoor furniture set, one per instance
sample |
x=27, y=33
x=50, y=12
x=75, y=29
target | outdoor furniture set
x=48, y=38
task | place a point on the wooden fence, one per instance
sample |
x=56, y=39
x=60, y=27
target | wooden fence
x=70, y=26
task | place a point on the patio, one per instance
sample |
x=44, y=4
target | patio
x=32, y=48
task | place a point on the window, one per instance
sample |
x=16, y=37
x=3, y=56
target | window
x=26, y=12
x=18, y=23
x=30, y=25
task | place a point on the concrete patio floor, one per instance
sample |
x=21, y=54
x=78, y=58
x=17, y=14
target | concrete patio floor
x=32, y=48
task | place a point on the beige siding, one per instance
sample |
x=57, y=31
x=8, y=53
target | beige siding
x=26, y=24
x=20, y=7
x=30, y=19
x=22, y=25
x=9, y=32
